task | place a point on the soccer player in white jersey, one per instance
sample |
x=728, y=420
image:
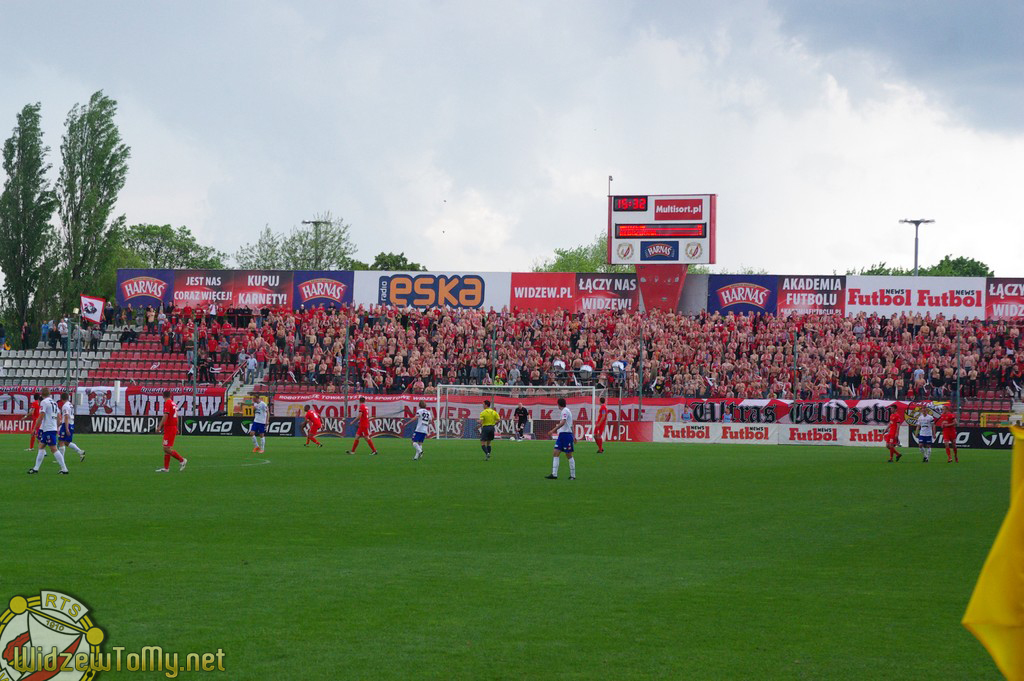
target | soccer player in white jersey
x=260, y=411
x=420, y=433
x=66, y=432
x=564, y=442
x=46, y=424
x=925, y=427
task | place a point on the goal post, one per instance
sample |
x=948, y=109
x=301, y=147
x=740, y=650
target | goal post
x=464, y=403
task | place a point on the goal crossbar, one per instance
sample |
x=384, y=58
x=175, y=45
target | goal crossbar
x=504, y=396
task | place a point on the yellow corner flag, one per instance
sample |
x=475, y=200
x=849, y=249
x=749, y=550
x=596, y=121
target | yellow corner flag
x=995, y=614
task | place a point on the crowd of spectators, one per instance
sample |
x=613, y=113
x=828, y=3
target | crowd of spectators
x=394, y=350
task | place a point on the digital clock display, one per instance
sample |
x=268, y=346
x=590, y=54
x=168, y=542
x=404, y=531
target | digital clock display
x=698, y=230
x=623, y=204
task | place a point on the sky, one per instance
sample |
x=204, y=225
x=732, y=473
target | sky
x=481, y=135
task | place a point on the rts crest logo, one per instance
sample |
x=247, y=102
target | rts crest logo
x=49, y=636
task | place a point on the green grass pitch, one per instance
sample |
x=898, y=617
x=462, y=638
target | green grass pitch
x=659, y=562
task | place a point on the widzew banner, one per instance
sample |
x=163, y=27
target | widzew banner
x=1004, y=299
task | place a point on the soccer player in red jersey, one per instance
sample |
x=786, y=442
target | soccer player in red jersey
x=947, y=421
x=602, y=421
x=169, y=426
x=313, y=424
x=32, y=416
x=363, y=429
x=892, y=435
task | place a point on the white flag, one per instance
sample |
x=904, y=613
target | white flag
x=92, y=308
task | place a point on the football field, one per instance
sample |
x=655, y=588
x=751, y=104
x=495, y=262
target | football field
x=658, y=562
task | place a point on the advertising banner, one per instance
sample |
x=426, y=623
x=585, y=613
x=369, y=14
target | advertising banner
x=598, y=292
x=742, y=293
x=11, y=424
x=973, y=438
x=960, y=297
x=147, y=425
x=233, y=288
x=140, y=288
x=799, y=294
x=715, y=433
x=1004, y=299
x=330, y=289
x=258, y=289
x=543, y=291
x=469, y=290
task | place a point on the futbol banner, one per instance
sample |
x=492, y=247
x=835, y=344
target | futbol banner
x=799, y=294
x=773, y=434
x=1004, y=299
x=742, y=293
x=960, y=297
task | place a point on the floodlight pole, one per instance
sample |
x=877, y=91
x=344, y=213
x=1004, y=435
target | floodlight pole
x=917, y=225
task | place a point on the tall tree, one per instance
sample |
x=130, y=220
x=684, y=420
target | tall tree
x=26, y=206
x=947, y=267
x=163, y=247
x=396, y=262
x=264, y=254
x=94, y=170
x=322, y=243
x=592, y=257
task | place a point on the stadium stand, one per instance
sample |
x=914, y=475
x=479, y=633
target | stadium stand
x=661, y=354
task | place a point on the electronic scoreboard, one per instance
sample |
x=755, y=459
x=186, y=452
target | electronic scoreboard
x=665, y=229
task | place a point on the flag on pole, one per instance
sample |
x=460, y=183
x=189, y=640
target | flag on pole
x=995, y=614
x=92, y=308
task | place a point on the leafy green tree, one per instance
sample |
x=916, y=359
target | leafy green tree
x=322, y=243
x=947, y=267
x=396, y=262
x=264, y=254
x=93, y=172
x=26, y=207
x=163, y=247
x=592, y=257
x=960, y=267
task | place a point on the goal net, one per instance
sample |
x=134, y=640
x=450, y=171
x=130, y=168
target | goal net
x=459, y=407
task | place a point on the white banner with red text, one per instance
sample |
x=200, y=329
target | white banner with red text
x=773, y=434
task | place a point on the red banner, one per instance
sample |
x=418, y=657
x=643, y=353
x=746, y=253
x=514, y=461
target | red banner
x=253, y=289
x=811, y=295
x=543, y=291
x=1005, y=299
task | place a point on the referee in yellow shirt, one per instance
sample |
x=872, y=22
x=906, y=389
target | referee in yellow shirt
x=488, y=417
